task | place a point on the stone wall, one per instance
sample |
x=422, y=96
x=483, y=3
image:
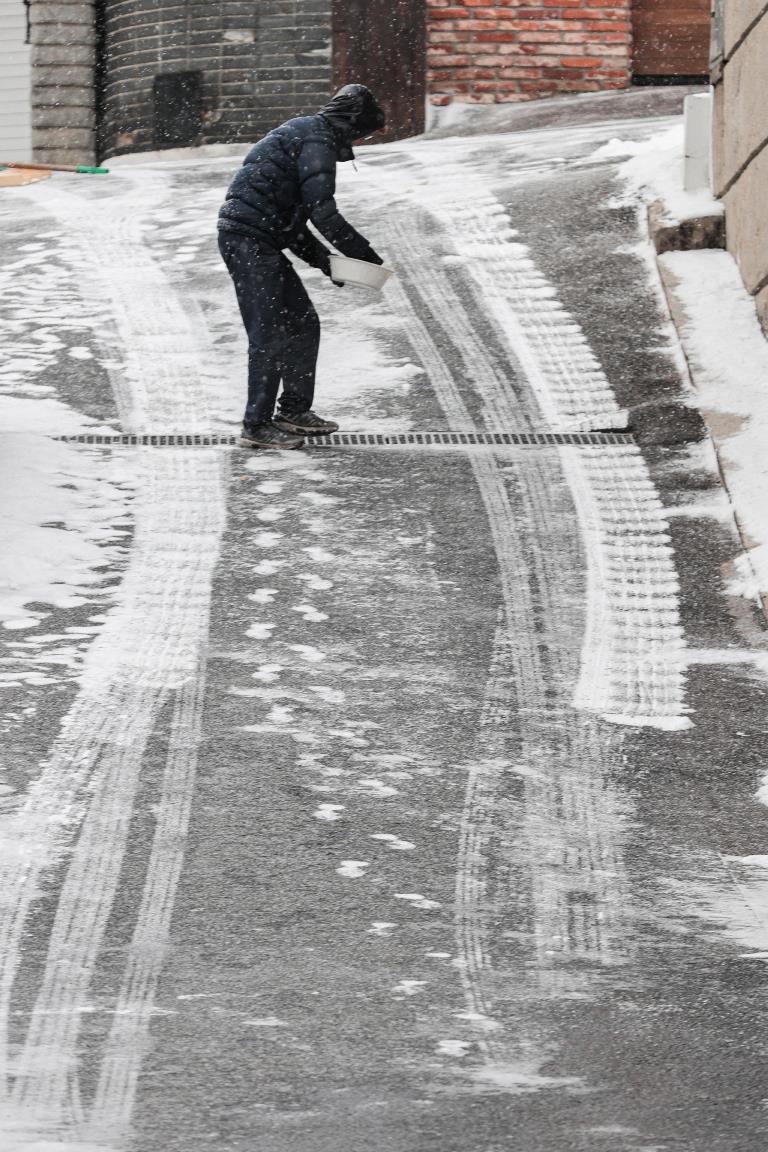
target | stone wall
x=481, y=51
x=740, y=159
x=259, y=63
x=62, y=37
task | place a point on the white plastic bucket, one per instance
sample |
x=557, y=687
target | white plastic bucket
x=361, y=273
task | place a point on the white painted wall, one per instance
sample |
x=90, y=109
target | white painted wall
x=15, y=72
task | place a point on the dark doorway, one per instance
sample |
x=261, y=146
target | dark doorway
x=382, y=43
x=177, y=109
x=670, y=40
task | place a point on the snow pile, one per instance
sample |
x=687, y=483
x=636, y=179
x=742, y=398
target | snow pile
x=60, y=512
x=653, y=170
x=728, y=354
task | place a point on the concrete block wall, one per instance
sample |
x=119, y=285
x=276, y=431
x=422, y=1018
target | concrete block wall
x=494, y=51
x=260, y=62
x=740, y=159
x=63, y=61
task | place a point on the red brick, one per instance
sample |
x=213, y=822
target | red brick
x=455, y=61
x=615, y=26
x=541, y=37
x=476, y=74
x=476, y=25
x=497, y=37
x=518, y=49
x=552, y=73
x=539, y=87
x=580, y=61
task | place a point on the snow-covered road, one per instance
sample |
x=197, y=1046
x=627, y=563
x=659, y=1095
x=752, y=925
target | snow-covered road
x=371, y=797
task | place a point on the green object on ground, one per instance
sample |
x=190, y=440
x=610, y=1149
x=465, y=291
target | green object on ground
x=88, y=168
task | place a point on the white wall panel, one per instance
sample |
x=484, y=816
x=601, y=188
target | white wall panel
x=15, y=110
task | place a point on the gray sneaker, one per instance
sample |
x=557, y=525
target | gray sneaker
x=268, y=436
x=306, y=424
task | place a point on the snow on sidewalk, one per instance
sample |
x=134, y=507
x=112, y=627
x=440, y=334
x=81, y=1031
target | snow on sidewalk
x=728, y=356
x=653, y=171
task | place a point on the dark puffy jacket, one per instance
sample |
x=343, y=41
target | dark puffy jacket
x=288, y=178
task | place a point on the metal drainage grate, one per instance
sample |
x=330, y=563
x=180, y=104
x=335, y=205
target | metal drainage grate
x=451, y=439
x=172, y=440
x=369, y=439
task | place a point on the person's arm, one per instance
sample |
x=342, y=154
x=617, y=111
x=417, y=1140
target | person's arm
x=309, y=249
x=317, y=177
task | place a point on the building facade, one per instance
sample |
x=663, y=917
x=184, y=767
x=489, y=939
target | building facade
x=740, y=138
x=112, y=76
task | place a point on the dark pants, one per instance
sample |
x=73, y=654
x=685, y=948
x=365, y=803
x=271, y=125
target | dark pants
x=282, y=325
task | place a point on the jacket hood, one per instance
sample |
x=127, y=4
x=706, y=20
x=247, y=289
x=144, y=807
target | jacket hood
x=354, y=113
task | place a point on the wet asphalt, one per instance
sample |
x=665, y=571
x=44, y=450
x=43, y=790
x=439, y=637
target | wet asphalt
x=422, y=902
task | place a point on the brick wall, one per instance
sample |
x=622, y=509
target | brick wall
x=260, y=63
x=486, y=52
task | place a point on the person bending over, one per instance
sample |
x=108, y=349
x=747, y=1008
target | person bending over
x=288, y=179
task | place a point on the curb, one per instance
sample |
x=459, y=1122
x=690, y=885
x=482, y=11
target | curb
x=693, y=234
x=684, y=235
x=674, y=423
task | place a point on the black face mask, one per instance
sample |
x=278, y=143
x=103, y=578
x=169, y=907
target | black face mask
x=354, y=112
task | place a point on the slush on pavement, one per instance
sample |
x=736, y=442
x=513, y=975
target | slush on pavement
x=399, y=794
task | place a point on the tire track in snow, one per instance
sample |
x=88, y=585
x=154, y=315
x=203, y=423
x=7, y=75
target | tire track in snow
x=633, y=659
x=578, y=891
x=570, y=390
x=152, y=645
x=160, y=384
x=567, y=386
x=127, y=1041
x=165, y=608
x=46, y=1071
x=471, y=918
x=572, y=822
x=519, y=680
